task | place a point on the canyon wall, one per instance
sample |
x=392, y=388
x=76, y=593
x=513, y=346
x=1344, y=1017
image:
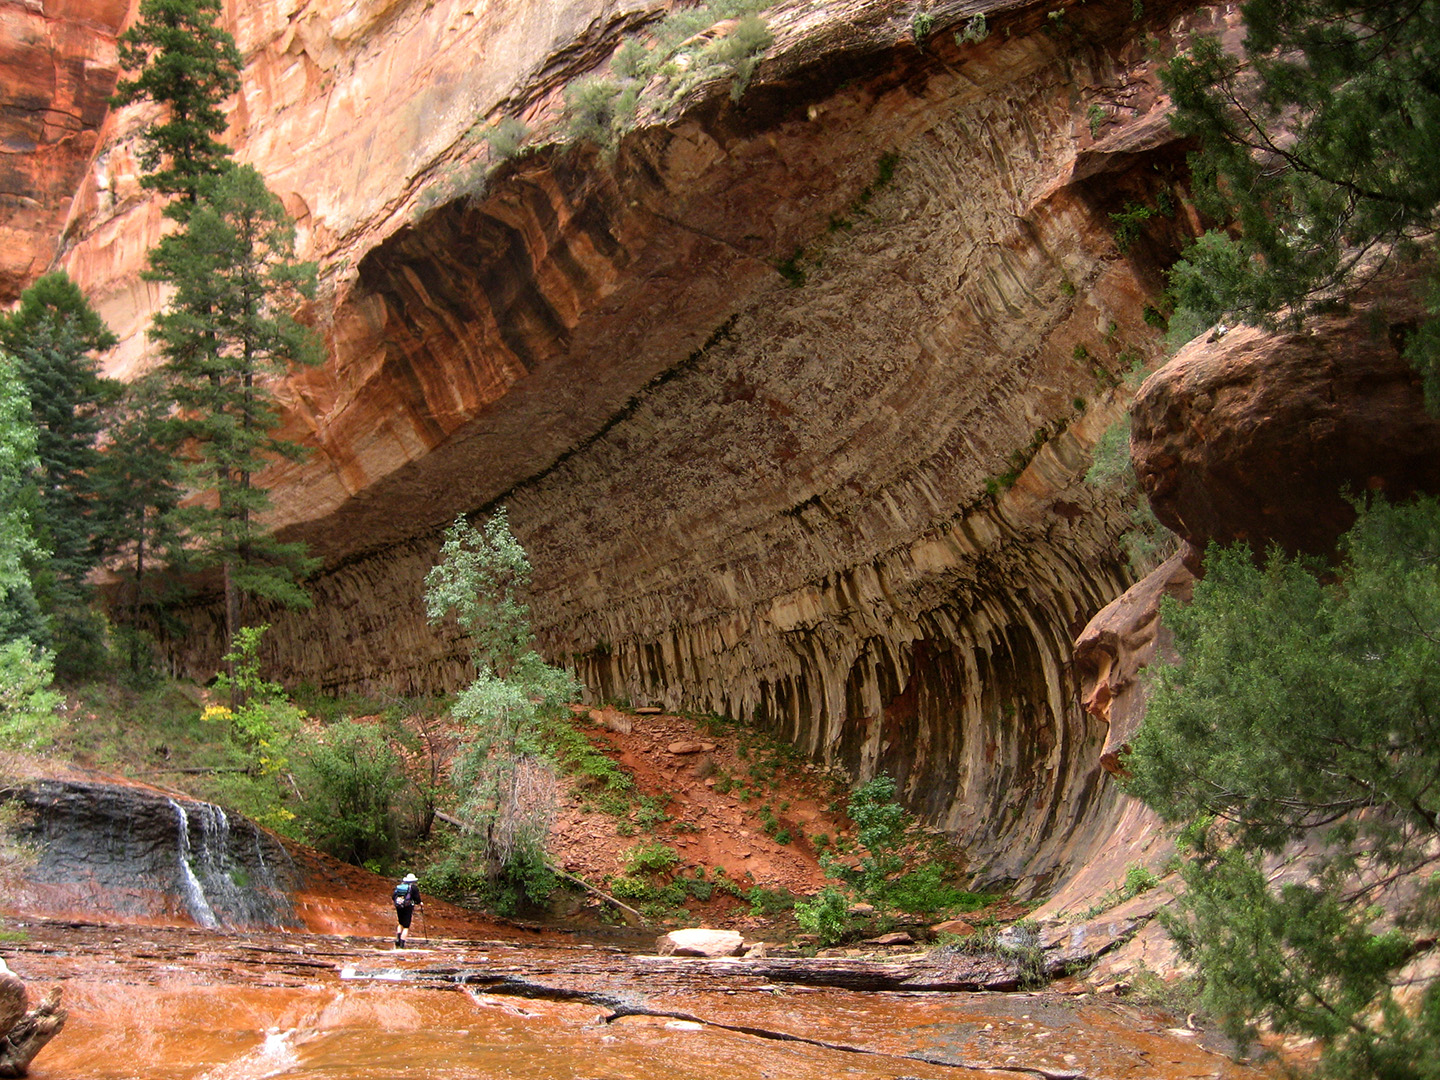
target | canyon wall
x=58, y=68
x=789, y=397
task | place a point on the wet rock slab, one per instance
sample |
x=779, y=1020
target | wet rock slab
x=166, y=1004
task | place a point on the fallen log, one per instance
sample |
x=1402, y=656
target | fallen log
x=26, y=1030
x=937, y=970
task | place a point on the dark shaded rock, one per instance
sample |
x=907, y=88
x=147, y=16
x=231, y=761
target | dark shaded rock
x=133, y=851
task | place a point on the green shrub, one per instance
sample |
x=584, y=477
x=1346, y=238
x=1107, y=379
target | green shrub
x=350, y=776
x=791, y=270
x=506, y=138
x=740, y=51
x=923, y=891
x=27, y=704
x=580, y=758
x=633, y=60
x=769, y=901
x=650, y=812
x=825, y=914
x=525, y=879
x=976, y=31
x=1129, y=222
x=650, y=858
x=591, y=110
x=882, y=827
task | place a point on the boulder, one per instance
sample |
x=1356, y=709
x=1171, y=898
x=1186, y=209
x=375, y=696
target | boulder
x=957, y=927
x=700, y=941
x=1265, y=437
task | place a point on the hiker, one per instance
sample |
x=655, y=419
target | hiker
x=407, y=899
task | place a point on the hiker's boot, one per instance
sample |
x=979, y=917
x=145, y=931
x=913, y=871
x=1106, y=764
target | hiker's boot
x=399, y=942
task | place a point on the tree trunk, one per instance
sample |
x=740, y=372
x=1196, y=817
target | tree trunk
x=26, y=1030
x=232, y=624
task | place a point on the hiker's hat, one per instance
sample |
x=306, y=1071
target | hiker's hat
x=410, y=877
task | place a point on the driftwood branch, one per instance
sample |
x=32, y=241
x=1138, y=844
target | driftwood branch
x=632, y=917
x=26, y=1031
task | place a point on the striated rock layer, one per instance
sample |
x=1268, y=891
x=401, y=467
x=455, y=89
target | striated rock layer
x=789, y=399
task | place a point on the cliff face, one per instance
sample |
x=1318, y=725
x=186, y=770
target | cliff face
x=789, y=398
x=58, y=67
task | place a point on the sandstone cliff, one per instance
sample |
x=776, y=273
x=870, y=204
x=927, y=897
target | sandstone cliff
x=58, y=67
x=789, y=397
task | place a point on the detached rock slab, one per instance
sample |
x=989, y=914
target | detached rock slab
x=700, y=941
x=26, y=1030
x=1265, y=437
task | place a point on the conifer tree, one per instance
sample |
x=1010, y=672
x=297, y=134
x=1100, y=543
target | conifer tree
x=1304, y=718
x=190, y=66
x=1320, y=144
x=54, y=335
x=225, y=333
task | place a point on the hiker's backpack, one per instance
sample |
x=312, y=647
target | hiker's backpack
x=402, y=895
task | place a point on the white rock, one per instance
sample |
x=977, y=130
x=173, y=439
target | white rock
x=700, y=941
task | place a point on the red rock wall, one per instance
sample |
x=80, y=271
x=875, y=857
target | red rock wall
x=58, y=68
x=851, y=511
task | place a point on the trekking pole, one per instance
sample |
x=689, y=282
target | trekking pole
x=423, y=928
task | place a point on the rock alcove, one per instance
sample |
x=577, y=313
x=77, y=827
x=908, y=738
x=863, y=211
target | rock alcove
x=789, y=399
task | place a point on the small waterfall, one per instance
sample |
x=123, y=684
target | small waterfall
x=222, y=886
x=195, y=899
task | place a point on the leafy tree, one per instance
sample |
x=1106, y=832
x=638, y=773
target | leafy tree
x=1306, y=707
x=267, y=720
x=226, y=331
x=54, y=335
x=350, y=776
x=504, y=769
x=19, y=615
x=26, y=702
x=190, y=66
x=1320, y=143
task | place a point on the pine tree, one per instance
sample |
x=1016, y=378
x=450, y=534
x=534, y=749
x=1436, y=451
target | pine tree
x=226, y=331
x=54, y=335
x=1306, y=708
x=1320, y=144
x=189, y=65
